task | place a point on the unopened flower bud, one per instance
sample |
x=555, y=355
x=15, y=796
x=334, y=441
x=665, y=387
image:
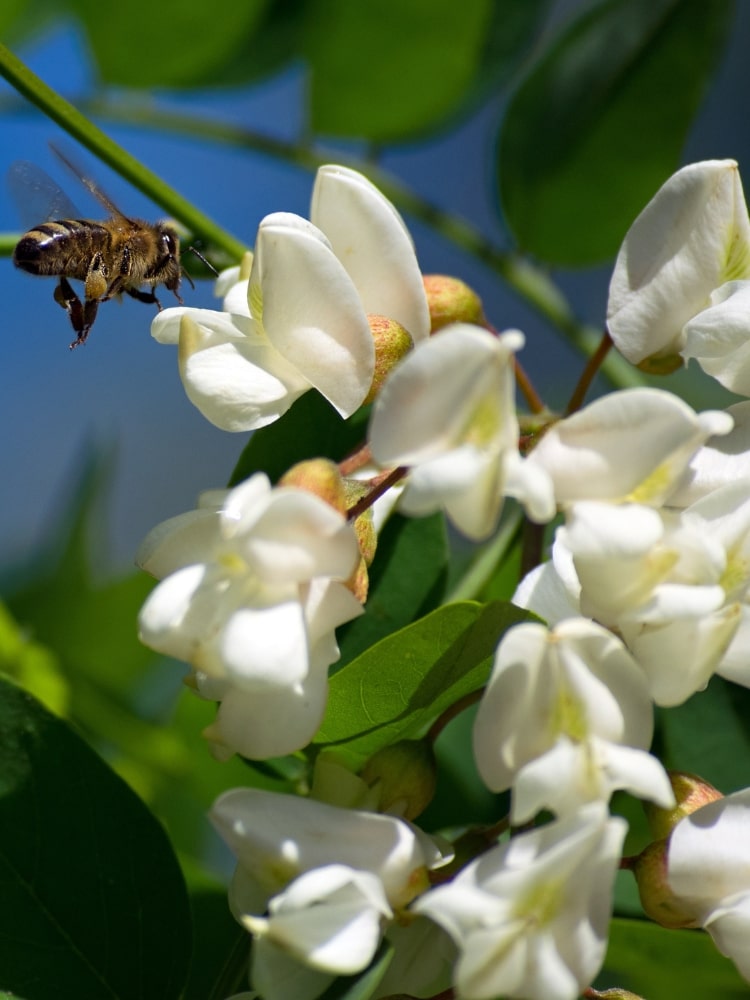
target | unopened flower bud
x=405, y=775
x=657, y=899
x=691, y=793
x=392, y=343
x=321, y=477
x=450, y=300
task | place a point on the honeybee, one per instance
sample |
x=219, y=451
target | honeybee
x=116, y=255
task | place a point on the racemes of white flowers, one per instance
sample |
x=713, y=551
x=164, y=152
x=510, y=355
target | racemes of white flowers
x=296, y=318
x=673, y=584
x=252, y=590
x=689, y=241
x=708, y=871
x=448, y=412
x=316, y=885
x=530, y=917
x=566, y=719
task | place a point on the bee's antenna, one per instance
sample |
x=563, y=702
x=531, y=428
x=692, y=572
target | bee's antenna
x=200, y=256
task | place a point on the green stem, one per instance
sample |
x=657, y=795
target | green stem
x=76, y=124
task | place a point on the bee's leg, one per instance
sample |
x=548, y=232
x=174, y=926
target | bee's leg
x=80, y=315
x=148, y=297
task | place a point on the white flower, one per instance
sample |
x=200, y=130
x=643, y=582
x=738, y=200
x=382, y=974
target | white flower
x=330, y=919
x=719, y=337
x=448, y=412
x=250, y=596
x=721, y=460
x=565, y=719
x=278, y=837
x=301, y=319
x=674, y=585
x=633, y=444
x=530, y=917
x=708, y=870
x=692, y=237
x=329, y=879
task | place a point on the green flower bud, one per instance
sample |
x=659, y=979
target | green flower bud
x=691, y=793
x=321, y=477
x=450, y=300
x=657, y=899
x=405, y=775
x=392, y=343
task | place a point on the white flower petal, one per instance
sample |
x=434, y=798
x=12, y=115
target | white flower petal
x=632, y=440
x=692, y=237
x=370, y=239
x=719, y=337
x=238, y=382
x=312, y=313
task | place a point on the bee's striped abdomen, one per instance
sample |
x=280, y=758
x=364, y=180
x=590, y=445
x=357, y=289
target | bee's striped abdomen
x=64, y=246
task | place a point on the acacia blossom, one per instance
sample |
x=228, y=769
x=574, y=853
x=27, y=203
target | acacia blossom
x=253, y=586
x=296, y=318
x=565, y=719
x=691, y=238
x=316, y=884
x=530, y=917
x=708, y=873
x=448, y=412
x=673, y=584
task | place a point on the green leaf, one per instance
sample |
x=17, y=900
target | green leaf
x=222, y=947
x=398, y=687
x=600, y=123
x=664, y=964
x=385, y=70
x=509, y=34
x=407, y=579
x=94, y=901
x=170, y=44
x=710, y=734
x=310, y=429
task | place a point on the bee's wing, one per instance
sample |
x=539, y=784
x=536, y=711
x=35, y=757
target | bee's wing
x=37, y=197
x=91, y=186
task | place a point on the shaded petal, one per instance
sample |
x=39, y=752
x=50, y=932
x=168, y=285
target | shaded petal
x=311, y=310
x=427, y=404
x=719, y=337
x=239, y=383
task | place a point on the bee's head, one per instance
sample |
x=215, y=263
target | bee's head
x=166, y=269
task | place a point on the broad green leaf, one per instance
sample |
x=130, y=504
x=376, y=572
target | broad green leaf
x=222, y=947
x=710, y=735
x=277, y=40
x=386, y=70
x=509, y=34
x=176, y=43
x=407, y=579
x=600, y=123
x=310, y=429
x=398, y=687
x=93, y=899
x=664, y=964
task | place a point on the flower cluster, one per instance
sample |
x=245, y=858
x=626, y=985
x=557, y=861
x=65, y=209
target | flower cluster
x=645, y=597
